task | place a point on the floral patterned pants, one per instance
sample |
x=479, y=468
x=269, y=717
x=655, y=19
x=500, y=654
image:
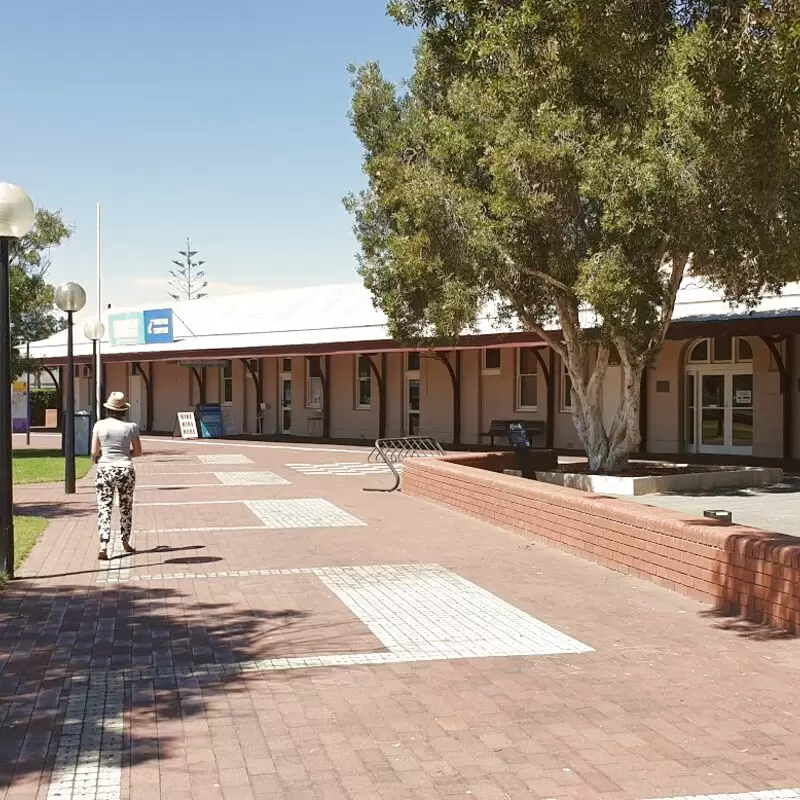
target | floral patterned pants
x=121, y=480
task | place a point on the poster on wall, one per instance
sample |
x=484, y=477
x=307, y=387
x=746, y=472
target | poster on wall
x=209, y=417
x=19, y=407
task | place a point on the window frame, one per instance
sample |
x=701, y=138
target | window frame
x=226, y=380
x=311, y=380
x=564, y=381
x=518, y=406
x=487, y=370
x=362, y=379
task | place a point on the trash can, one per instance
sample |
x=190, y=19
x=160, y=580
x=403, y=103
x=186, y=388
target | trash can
x=83, y=433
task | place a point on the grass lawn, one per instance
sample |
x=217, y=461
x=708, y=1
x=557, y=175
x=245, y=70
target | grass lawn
x=45, y=466
x=27, y=531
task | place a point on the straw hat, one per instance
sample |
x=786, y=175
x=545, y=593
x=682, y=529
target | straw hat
x=116, y=402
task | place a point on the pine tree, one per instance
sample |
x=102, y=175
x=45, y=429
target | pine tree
x=187, y=280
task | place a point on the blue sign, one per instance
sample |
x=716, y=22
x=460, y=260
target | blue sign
x=209, y=417
x=158, y=326
x=126, y=329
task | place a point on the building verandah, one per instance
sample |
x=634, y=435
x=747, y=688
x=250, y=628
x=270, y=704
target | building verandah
x=715, y=394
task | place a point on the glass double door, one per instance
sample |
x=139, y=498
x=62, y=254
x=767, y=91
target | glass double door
x=720, y=412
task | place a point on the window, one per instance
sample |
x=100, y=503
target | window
x=363, y=382
x=565, y=388
x=412, y=362
x=723, y=349
x=252, y=367
x=492, y=359
x=527, y=380
x=744, y=352
x=227, y=383
x=699, y=354
x=286, y=365
x=313, y=382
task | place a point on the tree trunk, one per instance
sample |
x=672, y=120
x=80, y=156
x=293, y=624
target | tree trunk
x=607, y=450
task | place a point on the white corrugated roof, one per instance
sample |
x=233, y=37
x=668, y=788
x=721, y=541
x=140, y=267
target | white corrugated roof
x=336, y=314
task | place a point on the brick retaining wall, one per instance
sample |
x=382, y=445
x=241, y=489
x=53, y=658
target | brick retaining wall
x=742, y=571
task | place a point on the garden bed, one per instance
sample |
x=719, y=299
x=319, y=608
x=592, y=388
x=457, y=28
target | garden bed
x=650, y=477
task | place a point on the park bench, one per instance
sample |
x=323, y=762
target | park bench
x=500, y=428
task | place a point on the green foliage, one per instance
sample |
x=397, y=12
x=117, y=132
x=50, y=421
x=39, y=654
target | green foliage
x=549, y=157
x=32, y=315
x=41, y=400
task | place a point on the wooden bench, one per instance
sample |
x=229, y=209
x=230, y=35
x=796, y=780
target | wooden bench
x=499, y=427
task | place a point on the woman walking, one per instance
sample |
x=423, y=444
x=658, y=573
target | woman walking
x=115, y=443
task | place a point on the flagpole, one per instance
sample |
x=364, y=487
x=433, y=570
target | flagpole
x=98, y=364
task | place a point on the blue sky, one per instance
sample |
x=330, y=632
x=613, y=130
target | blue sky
x=224, y=122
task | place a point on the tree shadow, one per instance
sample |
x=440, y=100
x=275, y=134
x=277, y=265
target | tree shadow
x=757, y=585
x=790, y=484
x=52, y=637
x=52, y=509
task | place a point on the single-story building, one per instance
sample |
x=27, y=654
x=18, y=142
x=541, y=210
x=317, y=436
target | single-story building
x=318, y=363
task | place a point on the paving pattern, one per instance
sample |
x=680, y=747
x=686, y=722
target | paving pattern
x=770, y=794
x=423, y=612
x=88, y=762
x=314, y=513
x=250, y=479
x=310, y=640
x=344, y=468
x=224, y=458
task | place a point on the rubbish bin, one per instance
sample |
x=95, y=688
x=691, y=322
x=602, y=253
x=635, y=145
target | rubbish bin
x=83, y=433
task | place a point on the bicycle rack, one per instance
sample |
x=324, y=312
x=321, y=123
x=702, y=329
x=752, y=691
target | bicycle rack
x=394, y=451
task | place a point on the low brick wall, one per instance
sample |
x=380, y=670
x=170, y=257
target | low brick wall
x=751, y=573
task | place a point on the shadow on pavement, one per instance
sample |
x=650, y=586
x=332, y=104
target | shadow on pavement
x=789, y=485
x=49, y=634
x=757, y=586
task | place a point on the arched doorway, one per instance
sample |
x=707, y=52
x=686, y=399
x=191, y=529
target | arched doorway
x=719, y=396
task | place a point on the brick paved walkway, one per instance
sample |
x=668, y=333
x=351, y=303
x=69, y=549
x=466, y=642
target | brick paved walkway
x=300, y=638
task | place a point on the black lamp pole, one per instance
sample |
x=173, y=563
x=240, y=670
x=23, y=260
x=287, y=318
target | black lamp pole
x=6, y=474
x=69, y=422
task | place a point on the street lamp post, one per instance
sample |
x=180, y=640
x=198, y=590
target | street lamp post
x=94, y=331
x=70, y=298
x=16, y=219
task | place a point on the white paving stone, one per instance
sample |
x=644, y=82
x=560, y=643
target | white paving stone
x=420, y=612
x=313, y=513
x=344, y=468
x=225, y=458
x=767, y=794
x=88, y=762
x=250, y=479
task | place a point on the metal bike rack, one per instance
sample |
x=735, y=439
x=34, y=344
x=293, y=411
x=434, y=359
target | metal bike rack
x=394, y=451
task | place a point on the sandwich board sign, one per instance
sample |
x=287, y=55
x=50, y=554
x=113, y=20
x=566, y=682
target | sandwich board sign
x=186, y=424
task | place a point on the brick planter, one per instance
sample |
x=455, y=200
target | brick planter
x=742, y=571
